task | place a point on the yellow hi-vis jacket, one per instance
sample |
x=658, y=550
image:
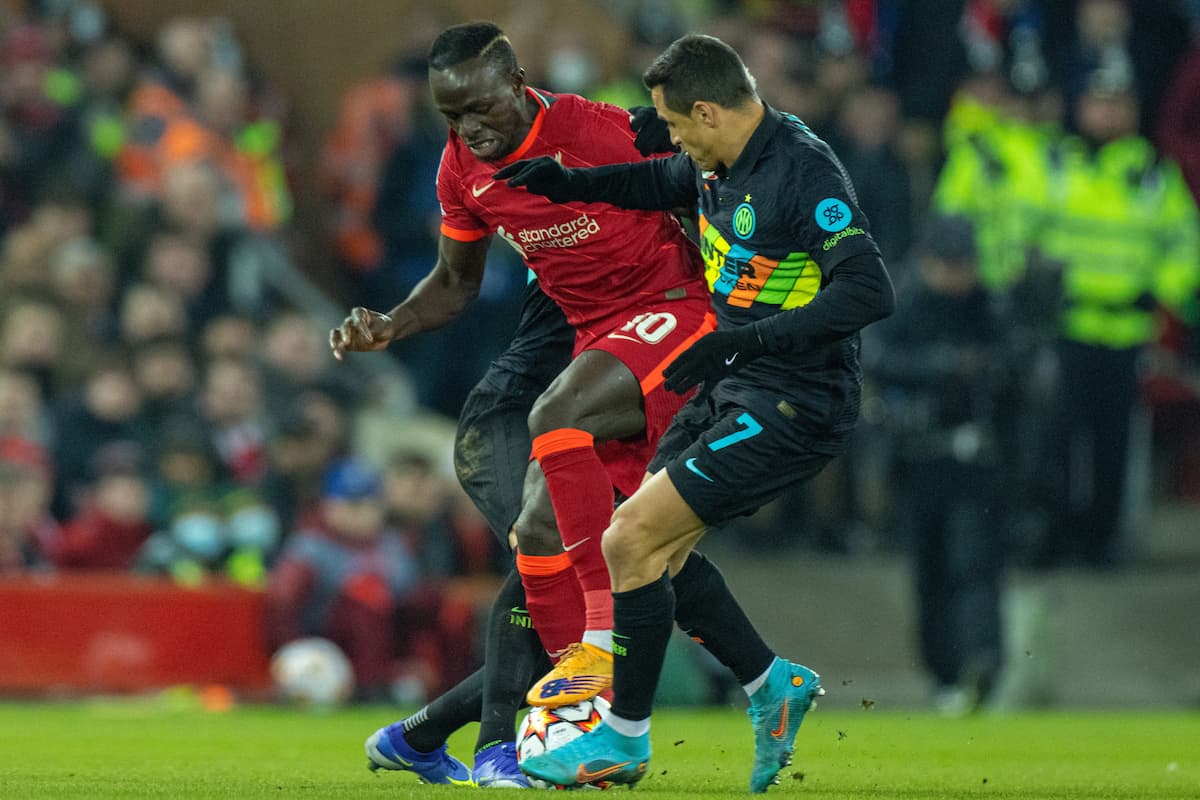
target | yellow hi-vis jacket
x=1124, y=227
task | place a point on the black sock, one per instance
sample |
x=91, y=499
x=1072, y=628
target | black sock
x=513, y=649
x=428, y=729
x=643, y=619
x=709, y=613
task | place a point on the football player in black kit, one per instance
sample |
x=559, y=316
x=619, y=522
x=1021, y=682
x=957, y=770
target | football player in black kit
x=794, y=275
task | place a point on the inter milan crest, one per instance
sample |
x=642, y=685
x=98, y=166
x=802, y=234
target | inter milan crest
x=743, y=221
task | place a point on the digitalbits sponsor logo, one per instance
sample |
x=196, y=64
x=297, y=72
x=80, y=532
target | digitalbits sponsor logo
x=832, y=214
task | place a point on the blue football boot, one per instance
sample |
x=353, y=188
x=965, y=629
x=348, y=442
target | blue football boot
x=496, y=768
x=600, y=756
x=386, y=749
x=776, y=711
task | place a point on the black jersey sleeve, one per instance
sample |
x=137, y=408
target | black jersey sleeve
x=826, y=218
x=858, y=293
x=657, y=184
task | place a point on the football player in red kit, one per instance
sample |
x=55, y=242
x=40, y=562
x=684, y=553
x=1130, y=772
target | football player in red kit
x=629, y=282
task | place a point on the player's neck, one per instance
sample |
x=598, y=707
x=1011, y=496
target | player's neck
x=532, y=108
x=742, y=122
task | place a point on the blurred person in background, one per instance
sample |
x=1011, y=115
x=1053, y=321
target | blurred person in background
x=35, y=120
x=149, y=311
x=229, y=335
x=344, y=577
x=167, y=375
x=297, y=455
x=421, y=505
x=83, y=275
x=232, y=408
x=106, y=408
x=33, y=333
x=183, y=265
x=940, y=366
x=23, y=411
x=207, y=527
x=294, y=359
x=865, y=138
x=113, y=519
x=26, y=487
x=1120, y=222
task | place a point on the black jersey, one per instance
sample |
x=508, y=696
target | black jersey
x=774, y=227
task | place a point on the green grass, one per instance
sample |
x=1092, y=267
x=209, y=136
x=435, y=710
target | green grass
x=172, y=750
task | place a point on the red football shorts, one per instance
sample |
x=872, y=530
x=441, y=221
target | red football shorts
x=646, y=339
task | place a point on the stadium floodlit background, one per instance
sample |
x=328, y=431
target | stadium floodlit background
x=192, y=193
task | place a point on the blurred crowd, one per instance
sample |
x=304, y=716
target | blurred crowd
x=1029, y=169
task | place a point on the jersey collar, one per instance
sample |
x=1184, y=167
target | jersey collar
x=543, y=102
x=756, y=143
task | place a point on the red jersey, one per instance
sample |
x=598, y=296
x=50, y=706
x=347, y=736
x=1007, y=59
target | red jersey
x=593, y=259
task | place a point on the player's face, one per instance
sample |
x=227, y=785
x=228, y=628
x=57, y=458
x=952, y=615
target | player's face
x=688, y=132
x=483, y=105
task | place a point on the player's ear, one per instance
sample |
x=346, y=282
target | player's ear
x=518, y=80
x=704, y=113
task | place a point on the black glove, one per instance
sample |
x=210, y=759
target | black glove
x=653, y=136
x=713, y=357
x=542, y=175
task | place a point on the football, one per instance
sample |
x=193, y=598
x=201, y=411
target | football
x=544, y=729
x=312, y=672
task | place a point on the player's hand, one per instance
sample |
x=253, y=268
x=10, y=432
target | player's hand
x=543, y=175
x=713, y=357
x=653, y=135
x=362, y=331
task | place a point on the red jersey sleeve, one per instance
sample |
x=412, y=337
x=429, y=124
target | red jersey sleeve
x=458, y=222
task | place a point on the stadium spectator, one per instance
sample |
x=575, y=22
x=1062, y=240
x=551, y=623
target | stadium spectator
x=23, y=411
x=207, y=527
x=345, y=577
x=294, y=358
x=230, y=335
x=167, y=376
x=420, y=504
x=33, y=338
x=113, y=522
x=149, y=311
x=107, y=408
x=231, y=405
x=25, y=491
x=84, y=276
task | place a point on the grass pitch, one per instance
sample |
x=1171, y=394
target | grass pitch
x=100, y=750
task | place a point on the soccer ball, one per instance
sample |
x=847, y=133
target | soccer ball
x=312, y=672
x=544, y=729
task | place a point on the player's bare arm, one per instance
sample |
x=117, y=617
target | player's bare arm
x=450, y=287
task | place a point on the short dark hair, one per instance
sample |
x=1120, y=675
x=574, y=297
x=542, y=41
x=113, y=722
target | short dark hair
x=698, y=67
x=460, y=43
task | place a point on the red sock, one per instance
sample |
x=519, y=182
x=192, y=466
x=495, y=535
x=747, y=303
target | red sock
x=553, y=598
x=582, y=495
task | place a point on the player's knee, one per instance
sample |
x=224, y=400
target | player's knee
x=536, y=535
x=549, y=413
x=622, y=542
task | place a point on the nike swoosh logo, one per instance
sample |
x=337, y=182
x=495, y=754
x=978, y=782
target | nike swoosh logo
x=729, y=361
x=783, y=719
x=582, y=775
x=622, y=336
x=478, y=190
x=691, y=464
x=567, y=549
